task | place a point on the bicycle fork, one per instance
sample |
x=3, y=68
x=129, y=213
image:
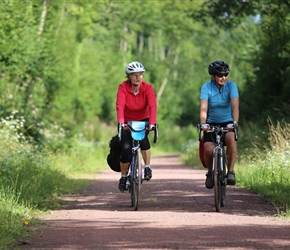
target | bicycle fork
x=132, y=170
x=133, y=167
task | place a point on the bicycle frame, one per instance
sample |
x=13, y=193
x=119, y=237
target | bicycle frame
x=219, y=164
x=219, y=167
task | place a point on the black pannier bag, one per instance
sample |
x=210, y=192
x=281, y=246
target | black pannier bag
x=113, y=158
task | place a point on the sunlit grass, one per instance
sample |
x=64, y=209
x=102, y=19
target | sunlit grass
x=268, y=172
x=14, y=217
x=151, y=199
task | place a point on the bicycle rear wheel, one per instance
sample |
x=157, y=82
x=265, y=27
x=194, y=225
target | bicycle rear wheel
x=217, y=182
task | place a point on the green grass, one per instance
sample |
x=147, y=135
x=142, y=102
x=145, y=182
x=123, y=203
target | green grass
x=268, y=175
x=32, y=178
x=267, y=172
x=15, y=216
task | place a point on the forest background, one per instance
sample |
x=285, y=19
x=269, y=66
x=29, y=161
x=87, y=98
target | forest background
x=61, y=62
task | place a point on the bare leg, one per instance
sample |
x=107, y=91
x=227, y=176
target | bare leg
x=208, y=148
x=147, y=170
x=124, y=168
x=146, y=154
x=232, y=150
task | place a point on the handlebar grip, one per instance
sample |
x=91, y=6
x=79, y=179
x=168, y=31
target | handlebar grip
x=155, y=133
x=120, y=131
x=236, y=133
x=199, y=131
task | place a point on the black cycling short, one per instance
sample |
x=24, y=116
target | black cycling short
x=126, y=141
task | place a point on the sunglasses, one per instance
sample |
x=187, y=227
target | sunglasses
x=137, y=75
x=221, y=75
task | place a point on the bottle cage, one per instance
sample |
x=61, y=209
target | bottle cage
x=138, y=130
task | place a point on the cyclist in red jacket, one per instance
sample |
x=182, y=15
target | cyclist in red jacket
x=136, y=101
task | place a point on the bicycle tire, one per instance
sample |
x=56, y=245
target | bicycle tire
x=224, y=182
x=131, y=186
x=131, y=191
x=135, y=185
x=217, y=182
x=138, y=175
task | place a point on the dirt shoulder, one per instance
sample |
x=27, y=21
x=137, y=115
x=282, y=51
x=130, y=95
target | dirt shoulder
x=176, y=211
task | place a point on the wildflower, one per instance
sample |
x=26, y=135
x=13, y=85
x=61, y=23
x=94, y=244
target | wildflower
x=26, y=223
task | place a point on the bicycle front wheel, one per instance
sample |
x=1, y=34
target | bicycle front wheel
x=136, y=185
x=139, y=174
x=217, y=182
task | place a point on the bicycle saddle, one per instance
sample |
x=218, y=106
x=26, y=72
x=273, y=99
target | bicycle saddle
x=138, y=130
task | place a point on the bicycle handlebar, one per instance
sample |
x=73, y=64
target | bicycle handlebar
x=155, y=129
x=219, y=129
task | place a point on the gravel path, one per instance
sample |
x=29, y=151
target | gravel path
x=176, y=211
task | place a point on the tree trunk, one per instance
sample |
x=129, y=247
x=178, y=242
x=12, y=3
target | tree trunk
x=42, y=19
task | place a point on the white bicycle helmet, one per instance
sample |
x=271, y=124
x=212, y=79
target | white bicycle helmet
x=134, y=67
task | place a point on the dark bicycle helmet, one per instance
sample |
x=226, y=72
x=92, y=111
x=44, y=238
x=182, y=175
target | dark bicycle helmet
x=134, y=67
x=218, y=67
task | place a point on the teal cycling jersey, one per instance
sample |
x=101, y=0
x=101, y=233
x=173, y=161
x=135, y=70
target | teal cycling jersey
x=219, y=101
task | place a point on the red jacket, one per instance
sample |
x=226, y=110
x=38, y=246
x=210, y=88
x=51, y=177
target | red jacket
x=132, y=107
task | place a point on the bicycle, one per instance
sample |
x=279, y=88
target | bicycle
x=134, y=181
x=219, y=162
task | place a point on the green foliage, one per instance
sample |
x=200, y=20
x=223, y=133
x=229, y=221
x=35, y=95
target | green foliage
x=268, y=175
x=267, y=86
x=32, y=177
x=273, y=78
x=229, y=13
x=172, y=138
x=190, y=153
x=23, y=170
x=15, y=217
x=77, y=53
x=62, y=62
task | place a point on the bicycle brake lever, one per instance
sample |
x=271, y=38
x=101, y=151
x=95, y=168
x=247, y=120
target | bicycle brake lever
x=155, y=133
x=119, y=131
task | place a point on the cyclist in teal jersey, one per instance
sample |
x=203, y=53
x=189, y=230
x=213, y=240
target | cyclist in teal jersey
x=219, y=105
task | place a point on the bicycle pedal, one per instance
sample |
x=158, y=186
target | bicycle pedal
x=127, y=184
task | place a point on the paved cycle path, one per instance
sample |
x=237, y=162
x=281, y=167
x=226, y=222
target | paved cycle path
x=176, y=211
